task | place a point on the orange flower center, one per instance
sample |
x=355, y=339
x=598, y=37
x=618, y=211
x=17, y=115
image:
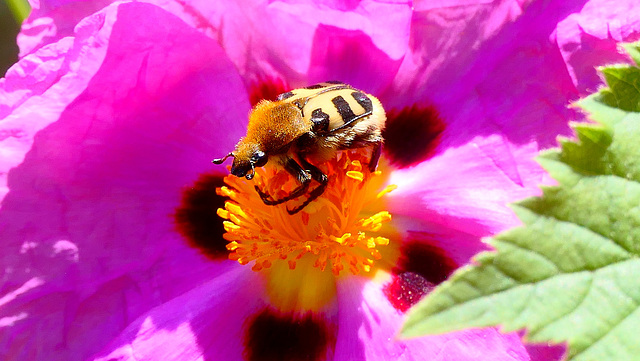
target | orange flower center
x=341, y=231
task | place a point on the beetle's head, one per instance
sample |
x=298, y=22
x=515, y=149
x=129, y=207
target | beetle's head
x=245, y=162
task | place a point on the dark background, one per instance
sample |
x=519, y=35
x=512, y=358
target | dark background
x=8, y=31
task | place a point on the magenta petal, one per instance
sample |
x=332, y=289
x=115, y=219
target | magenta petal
x=106, y=121
x=368, y=327
x=126, y=121
x=122, y=144
x=455, y=247
x=37, y=89
x=45, y=313
x=445, y=36
x=287, y=39
x=50, y=21
x=480, y=90
x=589, y=38
x=471, y=197
x=205, y=323
x=546, y=352
x=496, y=119
x=351, y=57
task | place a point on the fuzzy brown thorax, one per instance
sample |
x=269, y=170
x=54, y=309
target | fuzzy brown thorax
x=272, y=127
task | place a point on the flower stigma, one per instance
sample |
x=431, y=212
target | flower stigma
x=343, y=232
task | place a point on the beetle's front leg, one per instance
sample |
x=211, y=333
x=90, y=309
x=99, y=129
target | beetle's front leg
x=319, y=177
x=297, y=172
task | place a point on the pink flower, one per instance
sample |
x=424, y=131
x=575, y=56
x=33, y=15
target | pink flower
x=112, y=115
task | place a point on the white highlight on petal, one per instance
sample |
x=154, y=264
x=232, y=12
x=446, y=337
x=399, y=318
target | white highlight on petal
x=11, y=320
x=26, y=287
x=67, y=249
x=184, y=344
x=27, y=246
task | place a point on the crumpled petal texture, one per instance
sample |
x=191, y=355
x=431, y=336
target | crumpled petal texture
x=374, y=316
x=50, y=21
x=497, y=119
x=195, y=324
x=108, y=116
x=88, y=214
x=589, y=38
x=370, y=37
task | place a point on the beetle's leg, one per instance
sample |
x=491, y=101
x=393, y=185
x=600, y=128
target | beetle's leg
x=300, y=174
x=375, y=156
x=319, y=177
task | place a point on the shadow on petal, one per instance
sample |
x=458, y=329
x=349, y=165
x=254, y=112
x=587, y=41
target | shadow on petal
x=351, y=57
x=89, y=210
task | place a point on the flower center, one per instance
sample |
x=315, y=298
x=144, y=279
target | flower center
x=339, y=231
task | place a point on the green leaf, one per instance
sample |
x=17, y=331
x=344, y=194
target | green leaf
x=19, y=8
x=634, y=51
x=571, y=273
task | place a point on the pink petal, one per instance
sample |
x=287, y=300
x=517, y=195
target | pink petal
x=546, y=352
x=205, y=323
x=128, y=118
x=483, y=92
x=37, y=89
x=445, y=38
x=456, y=245
x=472, y=196
x=53, y=319
x=287, y=39
x=368, y=327
x=589, y=37
x=126, y=115
x=50, y=21
x=496, y=120
x=350, y=56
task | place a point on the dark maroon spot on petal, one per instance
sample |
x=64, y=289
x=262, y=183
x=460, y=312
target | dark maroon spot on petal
x=406, y=289
x=426, y=259
x=412, y=134
x=268, y=89
x=422, y=266
x=197, y=220
x=273, y=336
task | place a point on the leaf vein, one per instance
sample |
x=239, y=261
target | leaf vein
x=606, y=332
x=521, y=284
x=571, y=311
x=603, y=238
x=529, y=250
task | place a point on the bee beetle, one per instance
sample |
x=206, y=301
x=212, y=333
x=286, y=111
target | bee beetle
x=313, y=122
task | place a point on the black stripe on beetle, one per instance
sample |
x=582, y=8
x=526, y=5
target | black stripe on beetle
x=320, y=120
x=335, y=82
x=363, y=100
x=315, y=86
x=284, y=96
x=343, y=109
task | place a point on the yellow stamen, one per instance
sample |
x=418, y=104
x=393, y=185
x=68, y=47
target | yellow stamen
x=260, y=232
x=387, y=189
x=355, y=175
x=223, y=213
x=336, y=234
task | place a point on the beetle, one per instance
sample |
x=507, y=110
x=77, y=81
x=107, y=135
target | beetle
x=313, y=122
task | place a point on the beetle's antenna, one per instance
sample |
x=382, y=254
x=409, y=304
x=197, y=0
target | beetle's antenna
x=221, y=160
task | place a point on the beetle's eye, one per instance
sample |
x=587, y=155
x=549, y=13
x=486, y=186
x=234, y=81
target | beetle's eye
x=259, y=159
